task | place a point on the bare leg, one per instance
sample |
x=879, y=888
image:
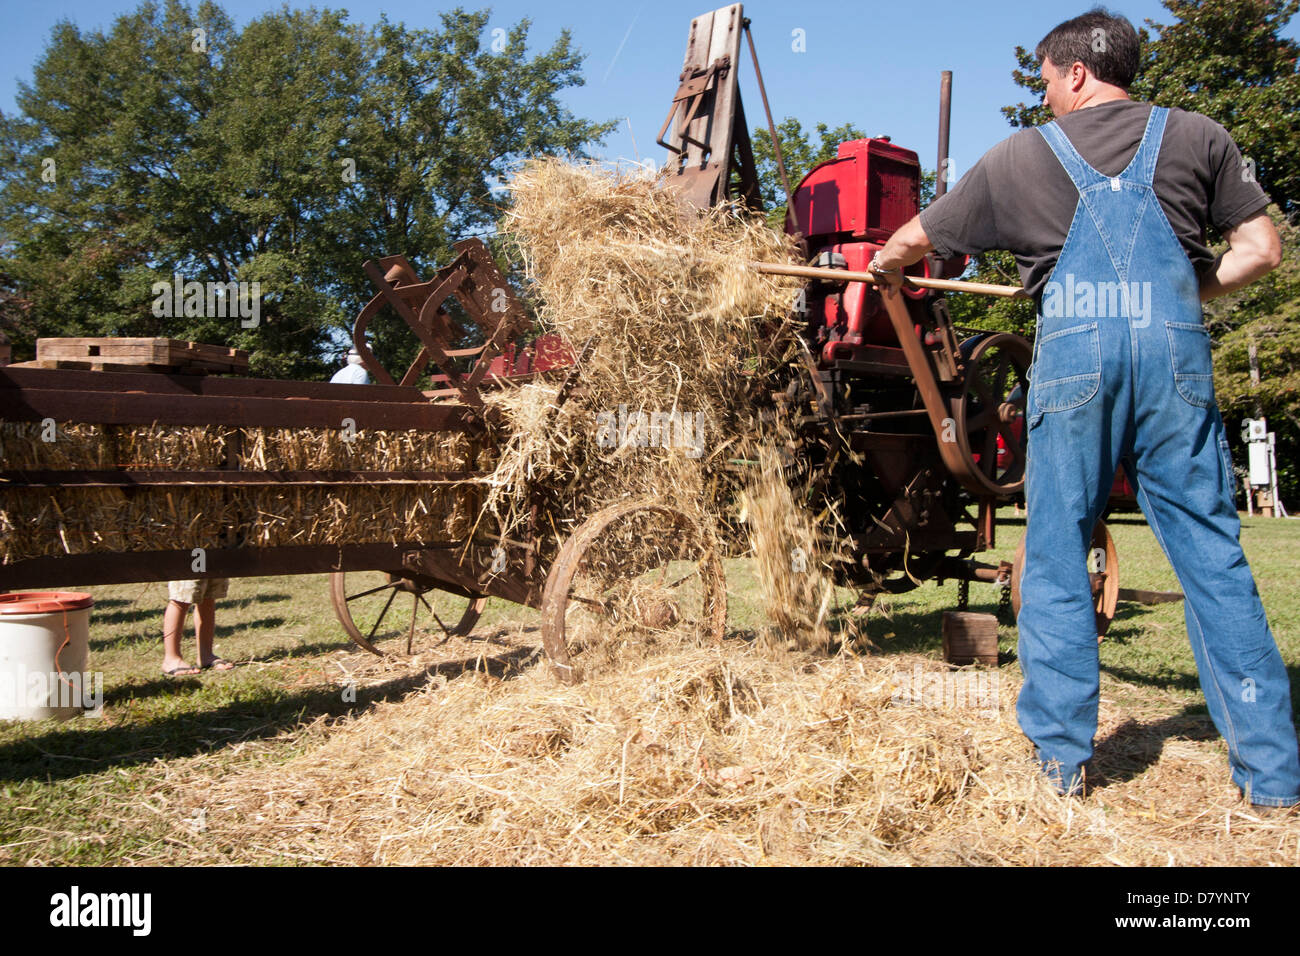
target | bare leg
x=173, y=630
x=205, y=626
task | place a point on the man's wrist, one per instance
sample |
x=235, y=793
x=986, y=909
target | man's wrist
x=879, y=265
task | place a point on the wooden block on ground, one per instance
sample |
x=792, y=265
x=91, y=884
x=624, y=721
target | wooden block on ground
x=970, y=638
x=156, y=354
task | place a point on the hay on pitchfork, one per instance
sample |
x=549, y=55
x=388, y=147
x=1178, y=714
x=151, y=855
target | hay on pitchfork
x=679, y=339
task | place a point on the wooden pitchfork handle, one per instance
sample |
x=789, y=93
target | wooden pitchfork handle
x=841, y=275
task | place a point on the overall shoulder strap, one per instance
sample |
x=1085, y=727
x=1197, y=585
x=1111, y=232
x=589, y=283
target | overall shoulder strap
x=1080, y=173
x=1142, y=168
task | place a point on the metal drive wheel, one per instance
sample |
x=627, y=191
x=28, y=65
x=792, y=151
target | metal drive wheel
x=1103, y=574
x=380, y=610
x=991, y=406
x=632, y=572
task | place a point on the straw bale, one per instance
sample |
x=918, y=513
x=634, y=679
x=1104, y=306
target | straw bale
x=71, y=520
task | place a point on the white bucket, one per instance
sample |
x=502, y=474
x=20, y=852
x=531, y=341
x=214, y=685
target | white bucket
x=44, y=645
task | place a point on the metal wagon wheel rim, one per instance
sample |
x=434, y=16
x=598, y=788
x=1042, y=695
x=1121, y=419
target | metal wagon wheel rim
x=992, y=397
x=380, y=611
x=687, y=591
x=1105, y=580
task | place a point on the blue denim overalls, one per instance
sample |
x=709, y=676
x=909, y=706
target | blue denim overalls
x=1122, y=373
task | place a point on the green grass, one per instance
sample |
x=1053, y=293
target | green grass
x=1146, y=646
x=95, y=791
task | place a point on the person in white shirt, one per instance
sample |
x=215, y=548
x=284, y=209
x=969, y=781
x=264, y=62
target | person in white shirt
x=352, y=373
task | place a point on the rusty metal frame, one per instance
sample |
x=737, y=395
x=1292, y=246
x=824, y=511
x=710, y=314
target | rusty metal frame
x=108, y=398
x=437, y=561
x=472, y=279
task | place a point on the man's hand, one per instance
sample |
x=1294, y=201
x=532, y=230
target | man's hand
x=906, y=246
x=893, y=278
x=1254, y=250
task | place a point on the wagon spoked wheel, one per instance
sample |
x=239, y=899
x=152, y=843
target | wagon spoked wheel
x=380, y=611
x=1103, y=576
x=991, y=405
x=634, y=572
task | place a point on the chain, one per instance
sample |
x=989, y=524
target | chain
x=963, y=594
x=1004, y=606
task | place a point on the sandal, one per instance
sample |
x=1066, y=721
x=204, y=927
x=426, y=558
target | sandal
x=218, y=664
x=180, y=670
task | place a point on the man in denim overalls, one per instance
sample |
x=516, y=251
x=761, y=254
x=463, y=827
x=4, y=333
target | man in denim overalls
x=1122, y=375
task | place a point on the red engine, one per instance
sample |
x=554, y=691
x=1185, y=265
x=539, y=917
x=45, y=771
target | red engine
x=847, y=208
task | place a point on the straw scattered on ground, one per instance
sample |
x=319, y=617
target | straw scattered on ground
x=703, y=755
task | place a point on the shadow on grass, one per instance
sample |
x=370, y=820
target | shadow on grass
x=223, y=631
x=63, y=753
x=1127, y=517
x=111, y=602
x=154, y=609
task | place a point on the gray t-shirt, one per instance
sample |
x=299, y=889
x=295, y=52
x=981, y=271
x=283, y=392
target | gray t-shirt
x=1018, y=197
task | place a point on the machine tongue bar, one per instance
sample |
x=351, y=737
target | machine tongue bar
x=843, y=275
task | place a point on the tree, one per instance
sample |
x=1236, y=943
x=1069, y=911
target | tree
x=286, y=153
x=799, y=156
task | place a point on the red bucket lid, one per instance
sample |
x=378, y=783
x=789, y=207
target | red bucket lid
x=44, y=602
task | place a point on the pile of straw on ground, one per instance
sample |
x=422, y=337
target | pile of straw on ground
x=72, y=520
x=723, y=756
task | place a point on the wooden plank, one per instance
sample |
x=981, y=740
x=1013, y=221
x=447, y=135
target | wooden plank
x=159, y=352
x=727, y=25
x=715, y=107
x=80, y=570
x=970, y=638
x=697, y=58
x=74, y=365
x=133, y=408
x=150, y=478
x=157, y=383
x=71, y=570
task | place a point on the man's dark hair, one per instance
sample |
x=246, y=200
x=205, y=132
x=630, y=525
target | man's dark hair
x=1103, y=42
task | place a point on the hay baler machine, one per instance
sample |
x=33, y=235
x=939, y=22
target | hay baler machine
x=911, y=427
x=907, y=428
x=86, y=499
x=81, y=508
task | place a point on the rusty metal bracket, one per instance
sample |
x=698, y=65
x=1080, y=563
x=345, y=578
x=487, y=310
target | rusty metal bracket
x=474, y=281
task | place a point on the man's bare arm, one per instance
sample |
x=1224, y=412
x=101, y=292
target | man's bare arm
x=907, y=245
x=1254, y=250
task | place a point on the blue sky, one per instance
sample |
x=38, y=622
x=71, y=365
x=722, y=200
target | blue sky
x=874, y=64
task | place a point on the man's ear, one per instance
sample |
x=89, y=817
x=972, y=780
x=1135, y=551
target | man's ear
x=1078, y=76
